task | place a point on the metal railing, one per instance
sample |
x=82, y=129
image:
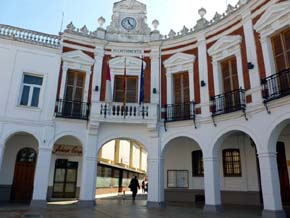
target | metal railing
x=276, y=85
x=72, y=109
x=178, y=112
x=228, y=102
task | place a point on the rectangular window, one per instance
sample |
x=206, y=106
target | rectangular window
x=281, y=50
x=232, y=163
x=31, y=88
x=177, y=178
x=131, y=89
x=197, y=163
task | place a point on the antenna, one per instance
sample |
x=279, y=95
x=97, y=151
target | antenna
x=62, y=16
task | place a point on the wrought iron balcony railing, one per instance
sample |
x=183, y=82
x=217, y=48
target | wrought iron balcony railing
x=179, y=112
x=229, y=102
x=72, y=109
x=276, y=85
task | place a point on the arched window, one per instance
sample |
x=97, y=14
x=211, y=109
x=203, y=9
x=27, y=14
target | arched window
x=26, y=155
x=197, y=163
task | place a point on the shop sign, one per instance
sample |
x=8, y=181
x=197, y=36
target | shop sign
x=73, y=150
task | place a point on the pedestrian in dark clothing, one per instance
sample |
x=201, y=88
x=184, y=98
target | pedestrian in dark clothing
x=134, y=186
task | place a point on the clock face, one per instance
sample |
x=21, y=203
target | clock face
x=129, y=23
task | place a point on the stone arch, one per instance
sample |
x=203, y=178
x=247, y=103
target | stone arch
x=176, y=135
x=73, y=134
x=11, y=133
x=224, y=133
x=275, y=129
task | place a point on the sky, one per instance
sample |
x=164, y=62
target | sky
x=46, y=16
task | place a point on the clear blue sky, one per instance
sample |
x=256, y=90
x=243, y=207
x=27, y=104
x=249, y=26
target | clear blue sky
x=46, y=15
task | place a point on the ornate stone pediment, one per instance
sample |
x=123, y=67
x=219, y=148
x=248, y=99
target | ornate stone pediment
x=274, y=17
x=132, y=63
x=77, y=57
x=179, y=59
x=225, y=43
x=132, y=5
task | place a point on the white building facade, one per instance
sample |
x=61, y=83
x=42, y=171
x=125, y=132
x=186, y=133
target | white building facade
x=214, y=120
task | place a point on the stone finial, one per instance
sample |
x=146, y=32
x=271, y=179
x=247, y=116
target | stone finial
x=202, y=12
x=230, y=9
x=184, y=30
x=70, y=27
x=217, y=17
x=155, y=24
x=202, y=22
x=171, y=34
x=84, y=30
x=101, y=21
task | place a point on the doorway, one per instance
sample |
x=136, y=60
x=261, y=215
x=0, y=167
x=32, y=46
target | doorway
x=22, y=187
x=65, y=179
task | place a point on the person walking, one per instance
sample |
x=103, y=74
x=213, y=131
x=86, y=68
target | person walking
x=134, y=186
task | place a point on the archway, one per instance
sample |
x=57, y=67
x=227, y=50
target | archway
x=119, y=160
x=239, y=172
x=18, y=167
x=65, y=169
x=183, y=171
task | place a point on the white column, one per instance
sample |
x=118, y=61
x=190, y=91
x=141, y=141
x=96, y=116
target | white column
x=87, y=86
x=41, y=177
x=240, y=70
x=2, y=149
x=169, y=87
x=270, y=185
x=155, y=168
x=217, y=83
x=89, y=173
x=191, y=86
x=155, y=75
x=252, y=57
x=63, y=80
x=97, y=78
x=212, y=184
x=268, y=56
x=203, y=75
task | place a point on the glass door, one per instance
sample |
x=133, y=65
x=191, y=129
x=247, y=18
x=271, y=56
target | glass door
x=65, y=179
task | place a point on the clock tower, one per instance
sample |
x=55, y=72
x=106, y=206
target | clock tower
x=129, y=22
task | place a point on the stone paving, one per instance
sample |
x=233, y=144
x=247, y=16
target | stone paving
x=119, y=208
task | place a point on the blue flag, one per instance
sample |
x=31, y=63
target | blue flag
x=141, y=97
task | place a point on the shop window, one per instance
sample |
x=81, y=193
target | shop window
x=232, y=163
x=281, y=50
x=197, y=163
x=131, y=89
x=177, y=178
x=31, y=88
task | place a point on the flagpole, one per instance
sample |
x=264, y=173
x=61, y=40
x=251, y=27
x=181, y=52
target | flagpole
x=124, y=89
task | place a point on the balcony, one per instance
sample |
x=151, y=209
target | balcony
x=116, y=112
x=180, y=112
x=229, y=102
x=276, y=86
x=72, y=109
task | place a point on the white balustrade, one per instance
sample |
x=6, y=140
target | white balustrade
x=29, y=36
x=115, y=111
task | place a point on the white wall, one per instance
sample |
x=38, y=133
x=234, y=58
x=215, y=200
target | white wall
x=17, y=58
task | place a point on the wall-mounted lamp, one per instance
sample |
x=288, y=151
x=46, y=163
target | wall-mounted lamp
x=154, y=90
x=202, y=83
x=96, y=88
x=250, y=66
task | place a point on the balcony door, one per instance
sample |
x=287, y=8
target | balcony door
x=281, y=52
x=131, y=89
x=181, y=95
x=230, y=83
x=74, y=91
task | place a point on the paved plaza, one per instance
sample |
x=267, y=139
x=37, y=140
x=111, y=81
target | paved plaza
x=120, y=208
